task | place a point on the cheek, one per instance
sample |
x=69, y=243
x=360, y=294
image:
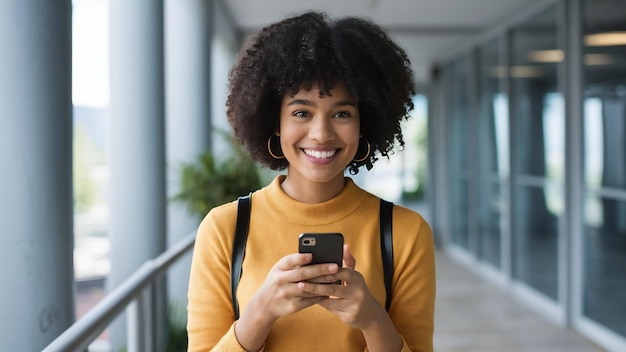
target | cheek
x=287, y=131
x=289, y=134
x=351, y=136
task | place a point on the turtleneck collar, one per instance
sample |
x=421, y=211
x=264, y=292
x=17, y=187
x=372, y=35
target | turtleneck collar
x=295, y=212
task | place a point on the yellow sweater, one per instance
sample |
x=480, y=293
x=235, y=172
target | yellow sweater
x=276, y=221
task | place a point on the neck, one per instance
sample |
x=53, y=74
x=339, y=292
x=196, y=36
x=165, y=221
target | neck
x=313, y=192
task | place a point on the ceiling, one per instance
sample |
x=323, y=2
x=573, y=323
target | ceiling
x=429, y=30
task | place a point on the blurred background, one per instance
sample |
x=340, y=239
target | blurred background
x=114, y=143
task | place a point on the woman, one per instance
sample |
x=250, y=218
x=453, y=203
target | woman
x=315, y=97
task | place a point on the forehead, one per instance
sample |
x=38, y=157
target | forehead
x=337, y=89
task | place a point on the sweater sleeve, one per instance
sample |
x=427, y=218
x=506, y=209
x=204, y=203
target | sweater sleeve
x=413, y=303
x=210, y=323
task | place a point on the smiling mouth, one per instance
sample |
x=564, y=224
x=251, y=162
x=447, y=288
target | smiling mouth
x=320, y=154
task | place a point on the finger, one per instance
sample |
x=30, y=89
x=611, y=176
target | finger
x=325, y=290
x=326, y=279
x=349, y=277
x=308, y=272
x=291, y=292
x=331, y=303
x=346, y=275
x=348, y=259
x=295, y=260
x=294, y=291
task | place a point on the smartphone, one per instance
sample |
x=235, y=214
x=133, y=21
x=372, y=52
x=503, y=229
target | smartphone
x=325, y=247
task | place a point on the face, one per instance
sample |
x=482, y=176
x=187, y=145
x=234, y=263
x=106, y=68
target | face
x=319, y=135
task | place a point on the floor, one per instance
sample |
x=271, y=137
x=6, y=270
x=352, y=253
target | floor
x=474, y=315
x=88, y=294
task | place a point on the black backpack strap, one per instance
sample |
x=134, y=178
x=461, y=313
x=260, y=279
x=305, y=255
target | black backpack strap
x=386, y=246
x=239, y=246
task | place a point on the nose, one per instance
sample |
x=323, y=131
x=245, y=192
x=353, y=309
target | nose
x=321, y=129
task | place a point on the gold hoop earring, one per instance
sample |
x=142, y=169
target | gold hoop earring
x=366, y=154
x=269, y=148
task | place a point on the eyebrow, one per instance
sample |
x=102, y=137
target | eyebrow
x=311, y=103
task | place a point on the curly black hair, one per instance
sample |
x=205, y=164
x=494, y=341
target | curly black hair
x=311, y=49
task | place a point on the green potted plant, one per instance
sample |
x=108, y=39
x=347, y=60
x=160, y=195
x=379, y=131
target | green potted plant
x=210, y=181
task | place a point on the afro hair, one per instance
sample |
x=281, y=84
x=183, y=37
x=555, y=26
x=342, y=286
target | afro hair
x=311, y=49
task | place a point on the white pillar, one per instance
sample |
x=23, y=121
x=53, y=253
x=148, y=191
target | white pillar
x=137, y=159
x=189, y=27
x=36, y=214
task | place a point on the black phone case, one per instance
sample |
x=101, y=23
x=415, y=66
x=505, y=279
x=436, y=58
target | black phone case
x=327, y=247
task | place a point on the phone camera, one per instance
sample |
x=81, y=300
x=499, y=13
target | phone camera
x=308, y=241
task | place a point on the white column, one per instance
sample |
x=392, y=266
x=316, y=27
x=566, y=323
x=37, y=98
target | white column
x=189, y=27
x=36, y=214
x=137, y=155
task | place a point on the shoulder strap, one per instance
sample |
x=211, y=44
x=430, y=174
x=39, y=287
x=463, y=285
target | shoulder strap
x=239, y=246
x=386, y=246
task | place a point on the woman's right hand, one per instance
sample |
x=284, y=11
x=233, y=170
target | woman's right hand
x=278, y=296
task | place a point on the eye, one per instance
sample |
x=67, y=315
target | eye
x=301, y=113
x=342, y=114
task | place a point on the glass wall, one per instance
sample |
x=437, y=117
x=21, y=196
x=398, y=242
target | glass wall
x=458, y=146
x=538, y=158
x=493, y=151
x=604, y=125
x=506, y=106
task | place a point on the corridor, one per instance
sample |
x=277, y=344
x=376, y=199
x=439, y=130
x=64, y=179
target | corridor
x=472, y=314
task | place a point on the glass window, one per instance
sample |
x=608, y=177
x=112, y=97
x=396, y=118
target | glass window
x=493, y=151
x=402, y=177
x=605, y=258
x=539, y=125
x=604, y=50
x=90, y=97
x=458, y=139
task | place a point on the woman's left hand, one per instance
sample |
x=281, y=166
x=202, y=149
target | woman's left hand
x=351, y=302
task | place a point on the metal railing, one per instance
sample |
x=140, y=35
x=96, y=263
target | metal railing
x=128, y=295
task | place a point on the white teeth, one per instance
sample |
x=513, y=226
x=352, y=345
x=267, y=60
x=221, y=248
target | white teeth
x=320, y=154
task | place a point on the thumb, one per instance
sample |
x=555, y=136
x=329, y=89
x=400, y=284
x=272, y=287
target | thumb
x=348, y=259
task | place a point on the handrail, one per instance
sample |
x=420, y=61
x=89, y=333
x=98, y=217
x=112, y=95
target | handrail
x=85, y=330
